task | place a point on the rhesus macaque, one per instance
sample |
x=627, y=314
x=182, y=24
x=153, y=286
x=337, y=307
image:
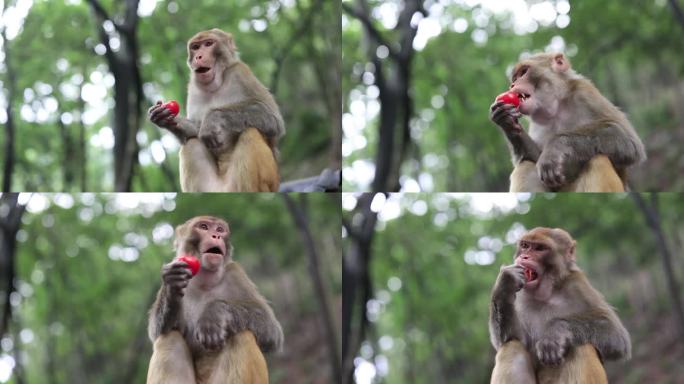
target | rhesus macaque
x=213, y=327
x=547, y=323
x=230, y=136
x=578, y=140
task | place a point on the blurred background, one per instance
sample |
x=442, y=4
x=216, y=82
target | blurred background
x=78, y=274
x=420, y=77
x=77, y=78
x=418, y=270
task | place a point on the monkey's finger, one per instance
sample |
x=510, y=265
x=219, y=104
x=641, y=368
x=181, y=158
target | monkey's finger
x=155, y=107
x=496, y=105
x=179, y=269
x=160, y=113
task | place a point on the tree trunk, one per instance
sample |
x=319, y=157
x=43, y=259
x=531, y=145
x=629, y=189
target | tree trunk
x=300, y=218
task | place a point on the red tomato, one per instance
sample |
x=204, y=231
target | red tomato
x=192, y=262
x=173, y=107
x=509, y=98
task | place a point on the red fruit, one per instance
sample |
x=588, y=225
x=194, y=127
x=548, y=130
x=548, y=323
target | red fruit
x=172, y=106
x=192, y=263
x=509, y=98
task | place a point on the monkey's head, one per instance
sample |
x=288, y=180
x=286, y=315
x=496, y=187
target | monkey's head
x=209, y=54
x=207, y=238
x=541, y=81
x=548, y=256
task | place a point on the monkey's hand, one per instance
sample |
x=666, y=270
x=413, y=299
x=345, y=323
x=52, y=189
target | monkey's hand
x=506, y=117
x=211, y=332
x=511, y=279
x=554, y=344
x=161, y=116
x=557, y=165
x=181, y=127
x=215, y=131
x=175, y=276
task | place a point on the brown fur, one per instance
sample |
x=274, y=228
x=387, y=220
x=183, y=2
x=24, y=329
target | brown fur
x=599, y=176
x=240, y=361
x=514, y=365
x=255, y=171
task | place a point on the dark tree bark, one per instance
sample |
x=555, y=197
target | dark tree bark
x=11, y=85
x=300, y=217
x=10, y=222
x=652, y=216
x=356, y=284
x=128, y=94
x=82, y=150
x=393, y=79
x=677, y=10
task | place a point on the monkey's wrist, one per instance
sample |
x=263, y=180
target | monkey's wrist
x=503, y=296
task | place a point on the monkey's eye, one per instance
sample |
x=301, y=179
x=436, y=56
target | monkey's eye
x=204, y=226
x=194, y=47
x=539, y=247
x=524, y=245
x=219, y=229
x=209, y=43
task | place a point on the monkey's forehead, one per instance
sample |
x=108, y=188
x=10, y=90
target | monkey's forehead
x=542, y=234
x=212, y=219
x=212, y=34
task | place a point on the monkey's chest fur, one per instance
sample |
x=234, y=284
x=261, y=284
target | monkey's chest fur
x=195, y=305
x=536, y=316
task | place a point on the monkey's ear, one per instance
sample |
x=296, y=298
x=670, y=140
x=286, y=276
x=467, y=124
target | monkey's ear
x=560, y=63
x=231, y=42
x=571, y=252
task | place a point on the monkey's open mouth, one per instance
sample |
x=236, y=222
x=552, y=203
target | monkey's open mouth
x=202, y=70
x=524, y=96
x=215, y=250
x=530, y=275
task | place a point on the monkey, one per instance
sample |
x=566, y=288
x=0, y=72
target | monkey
x=546, y=321
x=230, y=136
x=213, y=327
x=578, y=141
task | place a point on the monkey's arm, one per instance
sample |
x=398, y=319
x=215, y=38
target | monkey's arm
x=223, y=319
x=165, y=312
x=598, y=327
x=249, y=113
x=184, y=129
x=568, y=152
x=504, y=325
x=521, y=145
x=181, y=127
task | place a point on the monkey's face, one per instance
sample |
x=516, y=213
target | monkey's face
x=202, y=59
x=213, y=240
x=207, y=238
x=529, y=256
x=541, y=85
x=547, y=255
